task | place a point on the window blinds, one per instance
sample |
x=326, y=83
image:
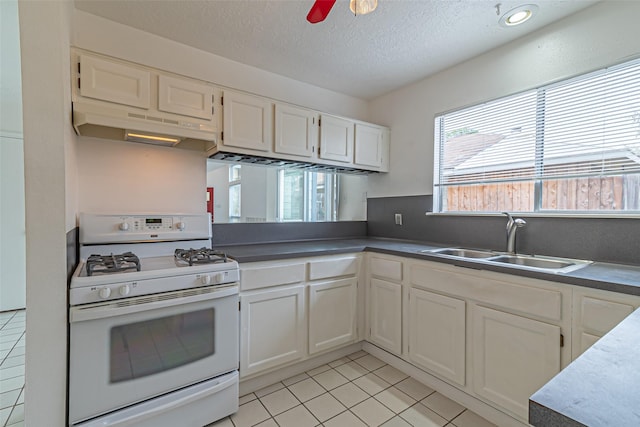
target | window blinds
x=586, y=126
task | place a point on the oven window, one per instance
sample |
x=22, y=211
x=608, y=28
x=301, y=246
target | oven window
x=152, y=346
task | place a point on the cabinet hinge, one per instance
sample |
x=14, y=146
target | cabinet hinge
x=222, y=100
x=319, y=122
x=222, y=135
x=561, y=340
x=78, y=82
x=78, y=67
x=213, y=111
x=238, y=305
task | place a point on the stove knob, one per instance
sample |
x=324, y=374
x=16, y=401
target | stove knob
x=181, y=226
x=124, y=226
x=105, y=293
x=219, y=277
x=124, y=290
x=205, y=279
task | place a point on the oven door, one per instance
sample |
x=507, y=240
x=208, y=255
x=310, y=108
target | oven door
x=127, y=351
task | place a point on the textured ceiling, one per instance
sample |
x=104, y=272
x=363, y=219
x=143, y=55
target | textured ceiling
x=401, y=42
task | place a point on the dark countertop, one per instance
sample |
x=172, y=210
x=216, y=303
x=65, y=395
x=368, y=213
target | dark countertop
x=599, y=388
x=611, y=277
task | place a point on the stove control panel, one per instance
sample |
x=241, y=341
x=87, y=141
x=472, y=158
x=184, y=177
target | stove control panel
x=96, y=228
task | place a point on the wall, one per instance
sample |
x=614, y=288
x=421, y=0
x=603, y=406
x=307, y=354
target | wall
x=603, y=34
x=50, y=180
x=118, y=176
x=12, y=229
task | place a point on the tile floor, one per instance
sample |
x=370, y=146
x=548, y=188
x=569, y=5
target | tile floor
x=356, y=391
x=12, y=327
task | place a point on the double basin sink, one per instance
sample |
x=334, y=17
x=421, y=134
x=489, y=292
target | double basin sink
x=530, y=262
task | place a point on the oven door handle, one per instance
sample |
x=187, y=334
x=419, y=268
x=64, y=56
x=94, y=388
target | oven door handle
x=148, y=302
x=136, y=414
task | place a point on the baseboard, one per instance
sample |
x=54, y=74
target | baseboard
x=479, y=407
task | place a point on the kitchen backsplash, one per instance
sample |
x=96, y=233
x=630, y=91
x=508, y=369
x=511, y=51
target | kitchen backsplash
x=599, y=239
x=250, y=233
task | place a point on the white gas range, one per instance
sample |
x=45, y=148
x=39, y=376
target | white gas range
x=153, y=323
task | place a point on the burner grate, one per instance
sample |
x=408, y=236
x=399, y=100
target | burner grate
x=199, y=256
x=112, y=263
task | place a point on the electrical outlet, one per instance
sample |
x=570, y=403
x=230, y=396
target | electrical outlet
x=398, y=219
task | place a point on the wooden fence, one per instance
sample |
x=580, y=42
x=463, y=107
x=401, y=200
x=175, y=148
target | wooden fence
x=574, y=194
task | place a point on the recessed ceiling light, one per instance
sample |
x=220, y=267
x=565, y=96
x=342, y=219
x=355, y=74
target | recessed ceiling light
x=518, y=15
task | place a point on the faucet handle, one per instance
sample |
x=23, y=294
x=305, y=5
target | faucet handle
x=509, y=221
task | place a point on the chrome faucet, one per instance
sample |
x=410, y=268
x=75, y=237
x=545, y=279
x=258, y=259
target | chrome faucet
x=512, y=226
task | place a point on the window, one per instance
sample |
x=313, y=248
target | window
x=573, y=146
x=307, y=196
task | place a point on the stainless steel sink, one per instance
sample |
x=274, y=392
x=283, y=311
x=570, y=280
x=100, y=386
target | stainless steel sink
x=530, y=262
x=461, y=252
x=561, y=265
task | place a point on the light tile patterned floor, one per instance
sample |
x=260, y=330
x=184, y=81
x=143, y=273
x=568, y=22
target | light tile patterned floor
x=355, y=391
x=12, y=327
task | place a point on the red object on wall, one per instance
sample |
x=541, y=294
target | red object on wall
x=210, y=201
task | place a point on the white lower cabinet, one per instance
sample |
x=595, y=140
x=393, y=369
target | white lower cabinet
x=437, y=334
x=513, y=356
x=293, y=310
x=332, y=314
x=385, y=314
x=273, y=328
x=596, y=312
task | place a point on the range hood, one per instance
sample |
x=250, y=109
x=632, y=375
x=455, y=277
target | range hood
x=120, y=122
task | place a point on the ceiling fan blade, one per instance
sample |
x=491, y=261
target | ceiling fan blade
x=320, y=10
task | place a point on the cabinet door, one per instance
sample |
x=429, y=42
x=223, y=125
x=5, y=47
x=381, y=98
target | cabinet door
x=437, y=334
x=273, y=328
x=332, y=314
x=296, y=131
x=595, y=314
x=114, y=82
x=247, y=121
x=512, y=357
x=385, y=315
x=368, y=146
x=185, y=97
x=336, y=139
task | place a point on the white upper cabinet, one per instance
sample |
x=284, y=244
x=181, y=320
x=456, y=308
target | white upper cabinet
x=113, y=81
x=247, y=121
x=369, y=145
x=185, y=97
x=296, y=131
x=336, y=139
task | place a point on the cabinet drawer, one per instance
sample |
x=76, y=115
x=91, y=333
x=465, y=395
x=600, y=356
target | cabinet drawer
x=386, y=268
x=333, y=267
x=263, y=276
x=515, y=297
